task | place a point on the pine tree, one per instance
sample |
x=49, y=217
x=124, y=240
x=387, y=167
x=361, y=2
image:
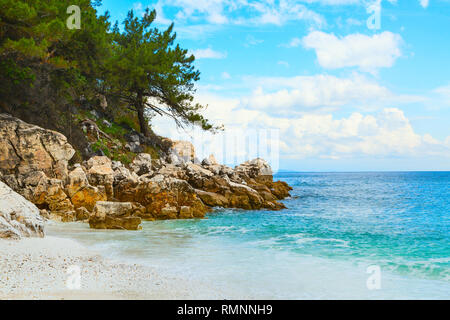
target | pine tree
x=152, y=74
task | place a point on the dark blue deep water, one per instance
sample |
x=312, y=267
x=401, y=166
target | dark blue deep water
x=335, y=227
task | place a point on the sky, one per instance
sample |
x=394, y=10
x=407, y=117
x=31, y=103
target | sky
x=323, y=85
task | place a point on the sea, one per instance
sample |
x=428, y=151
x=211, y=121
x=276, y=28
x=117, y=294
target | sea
x=362, y=235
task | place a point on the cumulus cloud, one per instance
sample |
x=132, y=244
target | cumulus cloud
x=368, y=53
x=301, y=94
x=208, y=54
x=384, y=133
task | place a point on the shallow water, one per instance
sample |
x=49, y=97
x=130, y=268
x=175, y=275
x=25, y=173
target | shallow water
x=336, y=225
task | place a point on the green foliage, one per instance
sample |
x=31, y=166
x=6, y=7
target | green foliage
x=150, y=73
x=46, y=69
x=128, y=122
x=101, y=144
x=15, y=73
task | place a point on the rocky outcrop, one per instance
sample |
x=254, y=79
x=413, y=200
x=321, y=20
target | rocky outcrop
x=100, y=173
x=114, y=215
x=26, y=148
x=254, y=168
x=34, y=161
x=181, y=152
x=163, y=197
x=18, y=217
x=110, y=194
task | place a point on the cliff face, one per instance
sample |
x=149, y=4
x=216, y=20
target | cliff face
x=25, y=148
x=34, y=162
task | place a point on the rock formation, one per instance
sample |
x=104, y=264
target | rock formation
x=25, y=148
x=18, y=217
x=109, y=194
x=114, y=215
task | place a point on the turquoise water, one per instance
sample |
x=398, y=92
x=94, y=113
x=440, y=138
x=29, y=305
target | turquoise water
x=336, y=225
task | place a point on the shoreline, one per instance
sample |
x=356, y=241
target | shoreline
x=37, y=268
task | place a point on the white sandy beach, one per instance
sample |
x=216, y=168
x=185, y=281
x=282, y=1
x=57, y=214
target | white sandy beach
x=36, y=268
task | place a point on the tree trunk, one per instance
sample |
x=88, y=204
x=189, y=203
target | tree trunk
x=142, y=121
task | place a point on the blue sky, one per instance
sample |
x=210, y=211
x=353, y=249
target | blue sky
x=344, y=94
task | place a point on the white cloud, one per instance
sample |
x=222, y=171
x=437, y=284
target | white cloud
x=208, y=54
x=318, y=136
x=295, y=42
x=424, y=3
x=222, y=12
x=443, y=91
x=301, y=94
x=334, y=2
x=355, y=50
x=279, y=13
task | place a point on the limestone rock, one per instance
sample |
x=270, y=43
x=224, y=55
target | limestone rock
x=76, y=181
x=168, y=212
x=254, y=168
x=124, y=183
x=18, y=216
x=100, y=173
x=212, y=199
x=114, y=215
x=25, y=148
x=186, y=212
x=162, y=192
x=88, y=196
x=134, y=147
x=82, y=214
x=142, y=164
x=50, y=193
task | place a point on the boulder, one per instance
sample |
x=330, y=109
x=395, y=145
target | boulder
x=168, y=212
x=18, y=217
x=254, y=168
x=196, y=175
x=50, y=193
x=142, y=164
x=82, y=214
x=114, y=215
x=134, y=147
x=161, y=194
x=88, y=196
x=100, y=173
x=124, y=183
x=63, y=216
x=212, y=199
x=76, y=181
x=170, y=170
x=186, y=212
x=25, y=148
